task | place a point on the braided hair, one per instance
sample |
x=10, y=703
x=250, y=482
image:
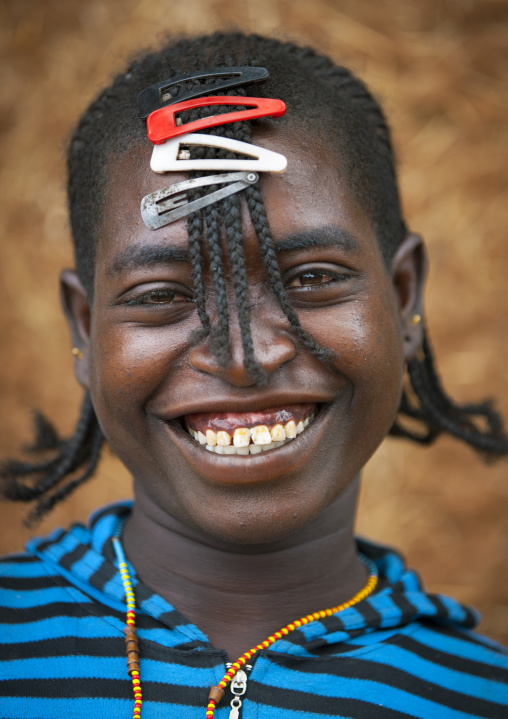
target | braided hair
x=340, y=110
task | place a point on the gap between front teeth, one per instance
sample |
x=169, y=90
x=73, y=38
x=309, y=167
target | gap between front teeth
x=250, y=441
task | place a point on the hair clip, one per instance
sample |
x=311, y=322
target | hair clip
x=161, y=124
x=170, y=157
x=170, y=204
x=159, y=95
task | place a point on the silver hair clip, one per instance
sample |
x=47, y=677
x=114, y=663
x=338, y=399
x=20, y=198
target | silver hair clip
x=164, y=206
x=169, y=157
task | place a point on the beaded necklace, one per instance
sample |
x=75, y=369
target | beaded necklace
x=216, y=692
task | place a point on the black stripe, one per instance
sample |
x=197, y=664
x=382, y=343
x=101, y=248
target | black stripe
x=329, y=706
x=98, y=687
x=19, y=616
x=370, y=615
x=471, y=619
x=45, y=544
x=407, y=609
x=376, y=551
x=333, y=624
x=397, y=678
x=103, y=575
x=452, y=661
x=33, y=583
x=19, y=559
x=74, y=556
x=108, y=551
x=442, y=612
x=113, y=647
x=468, y=637
x=65, y=647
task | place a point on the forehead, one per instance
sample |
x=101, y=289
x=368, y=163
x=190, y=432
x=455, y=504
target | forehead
x=311, y=194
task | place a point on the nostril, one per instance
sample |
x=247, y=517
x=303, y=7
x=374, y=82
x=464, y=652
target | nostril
x=269, y=355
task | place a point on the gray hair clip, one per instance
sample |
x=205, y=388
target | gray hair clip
x=164, y=206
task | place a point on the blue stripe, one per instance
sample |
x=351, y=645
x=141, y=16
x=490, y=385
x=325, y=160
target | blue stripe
x=383, y=603
x=422, y=604
x=362, y=690
x=114, y=587
x=16, y=708
x=410, y=581
x=102, y=531
x=456, y=611
x=155, y=606
x=464, y=649
x=87, y=565
x=376, y=637
x=282, y=646
x=391, y=566
x=61, y=627
x=30, y=571
x=466, y=684
x=107, y=668
x=41, y=597
x=57, y=551
x=91, y=591
x=164, y=636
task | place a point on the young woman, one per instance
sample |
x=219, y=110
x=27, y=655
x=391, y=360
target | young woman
x=244, y=361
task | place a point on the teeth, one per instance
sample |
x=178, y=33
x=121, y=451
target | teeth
x=211, y=438
x=223, y=439
x=290, y=429
x=278, y=433
x=250, y=441
x=260, y=434
x=241, y=437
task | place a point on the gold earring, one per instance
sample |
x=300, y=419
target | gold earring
x=78, y=354
x=416, y=319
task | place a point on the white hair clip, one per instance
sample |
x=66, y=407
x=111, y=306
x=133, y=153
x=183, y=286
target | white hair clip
x=171, y=203
x=172, y=156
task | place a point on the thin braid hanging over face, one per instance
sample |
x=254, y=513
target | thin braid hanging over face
x=339, y=109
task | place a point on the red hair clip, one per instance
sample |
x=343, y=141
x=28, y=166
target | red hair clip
x=161, y=124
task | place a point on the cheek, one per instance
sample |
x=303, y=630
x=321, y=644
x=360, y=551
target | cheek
x=129, y=365
x=365, y=338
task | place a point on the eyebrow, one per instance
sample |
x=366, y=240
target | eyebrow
x=147, y=256
x=320, y=237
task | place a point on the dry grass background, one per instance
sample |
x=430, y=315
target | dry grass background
x=441, y=69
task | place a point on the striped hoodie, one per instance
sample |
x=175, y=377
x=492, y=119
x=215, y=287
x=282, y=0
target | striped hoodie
x=400, y=653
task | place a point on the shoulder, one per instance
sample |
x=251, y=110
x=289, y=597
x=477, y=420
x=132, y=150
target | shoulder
x=32, y=593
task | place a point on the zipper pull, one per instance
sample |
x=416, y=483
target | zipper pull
x=236, y=703
x=238, y=687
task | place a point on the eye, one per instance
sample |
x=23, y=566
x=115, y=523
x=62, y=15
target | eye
x=311, y=278
x=160, y=297
x=157, y=296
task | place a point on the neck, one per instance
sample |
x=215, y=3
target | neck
x=238, y=595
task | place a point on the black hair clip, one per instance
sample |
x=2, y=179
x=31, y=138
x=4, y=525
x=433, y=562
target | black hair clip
x=164, y=206
x=159, y=95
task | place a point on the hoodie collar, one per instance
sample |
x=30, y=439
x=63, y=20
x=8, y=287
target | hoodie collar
x=85, y=556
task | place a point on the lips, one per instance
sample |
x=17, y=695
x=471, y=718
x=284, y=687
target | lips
x=247, y=433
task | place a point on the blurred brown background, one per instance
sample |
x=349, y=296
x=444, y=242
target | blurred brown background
x=441, y=69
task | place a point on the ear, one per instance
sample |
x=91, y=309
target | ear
x=409, y=272
x=76, y=307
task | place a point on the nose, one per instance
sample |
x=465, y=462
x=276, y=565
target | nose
x=273, y=347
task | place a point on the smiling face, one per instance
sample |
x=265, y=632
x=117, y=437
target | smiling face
x=149, y=384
